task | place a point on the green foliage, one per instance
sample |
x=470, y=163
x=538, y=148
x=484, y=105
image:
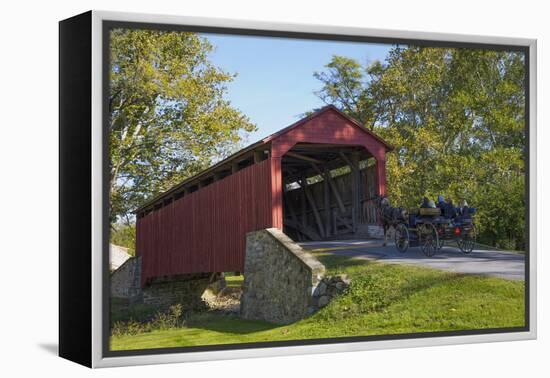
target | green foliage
x=124, y=235
x=162, y=320
x=344, y=86
x=233, y=281
x=456, y=118
x=122, y=311
x=168, y=115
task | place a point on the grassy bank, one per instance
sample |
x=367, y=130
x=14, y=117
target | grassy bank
x=383, y=299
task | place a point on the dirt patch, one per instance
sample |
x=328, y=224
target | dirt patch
x=228, y=300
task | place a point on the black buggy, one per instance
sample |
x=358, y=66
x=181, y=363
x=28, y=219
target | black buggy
x=430, y=227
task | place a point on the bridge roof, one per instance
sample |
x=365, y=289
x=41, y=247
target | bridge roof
x=247, y=152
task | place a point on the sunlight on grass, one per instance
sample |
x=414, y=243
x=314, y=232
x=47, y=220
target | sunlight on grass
x=382, y=299
x=233, y=280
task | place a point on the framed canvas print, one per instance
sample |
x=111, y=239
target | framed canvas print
x=232, y=189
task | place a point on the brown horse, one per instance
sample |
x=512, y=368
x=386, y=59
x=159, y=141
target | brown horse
x=390, y=216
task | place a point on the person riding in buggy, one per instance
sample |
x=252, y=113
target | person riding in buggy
x=430, y=225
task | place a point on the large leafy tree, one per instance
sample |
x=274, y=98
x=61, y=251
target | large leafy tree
x=345, y=85
x=457, y=119
x=168, y=115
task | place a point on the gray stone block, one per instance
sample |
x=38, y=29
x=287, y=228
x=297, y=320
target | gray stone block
x=279, y=278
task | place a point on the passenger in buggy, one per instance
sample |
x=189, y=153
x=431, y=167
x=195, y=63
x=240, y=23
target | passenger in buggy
x=427, y=203
x=449, y=210
x=463, y=208
x=440, y=201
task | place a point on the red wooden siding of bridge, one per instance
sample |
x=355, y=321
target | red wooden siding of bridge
x=205, y=230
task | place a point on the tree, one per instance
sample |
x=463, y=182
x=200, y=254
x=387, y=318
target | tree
x=457, y=119
x=124, y=235
x=168, y=115
x=345, y=87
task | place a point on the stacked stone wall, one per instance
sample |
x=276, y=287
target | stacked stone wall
x=161, y=292
x=279, y=278
x=125, y=281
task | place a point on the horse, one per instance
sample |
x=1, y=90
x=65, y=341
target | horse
x=390, y=216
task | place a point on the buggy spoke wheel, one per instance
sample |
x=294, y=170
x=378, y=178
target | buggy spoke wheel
x=401, y=238
x=430, y=240
x=467, y=242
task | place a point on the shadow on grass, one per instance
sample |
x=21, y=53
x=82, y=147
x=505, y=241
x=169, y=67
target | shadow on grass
x=121, y=310
x=425, y=283
x=340, y=262
x=393, y=283
x=228, y=324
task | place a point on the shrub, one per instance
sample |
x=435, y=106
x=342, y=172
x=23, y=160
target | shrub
x=172, y=318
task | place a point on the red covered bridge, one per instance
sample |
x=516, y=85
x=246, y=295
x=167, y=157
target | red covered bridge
x=315, y=179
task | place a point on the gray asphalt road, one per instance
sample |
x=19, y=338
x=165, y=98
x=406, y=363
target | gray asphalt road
x=481, y=261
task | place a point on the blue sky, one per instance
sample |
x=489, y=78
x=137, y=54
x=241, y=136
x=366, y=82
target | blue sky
x=275, y=82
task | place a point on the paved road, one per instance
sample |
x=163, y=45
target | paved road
x=481, y=261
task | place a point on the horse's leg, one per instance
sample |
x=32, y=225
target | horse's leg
x=385, y=234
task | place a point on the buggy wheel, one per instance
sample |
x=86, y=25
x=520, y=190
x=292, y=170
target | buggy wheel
x=467, y=242
x=429, y=239
x=401, y=238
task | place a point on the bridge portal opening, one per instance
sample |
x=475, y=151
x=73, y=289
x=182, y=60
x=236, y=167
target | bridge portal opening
x=329, y=192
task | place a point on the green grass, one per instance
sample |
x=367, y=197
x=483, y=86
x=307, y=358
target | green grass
x=232, y=280
x=383, y=299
